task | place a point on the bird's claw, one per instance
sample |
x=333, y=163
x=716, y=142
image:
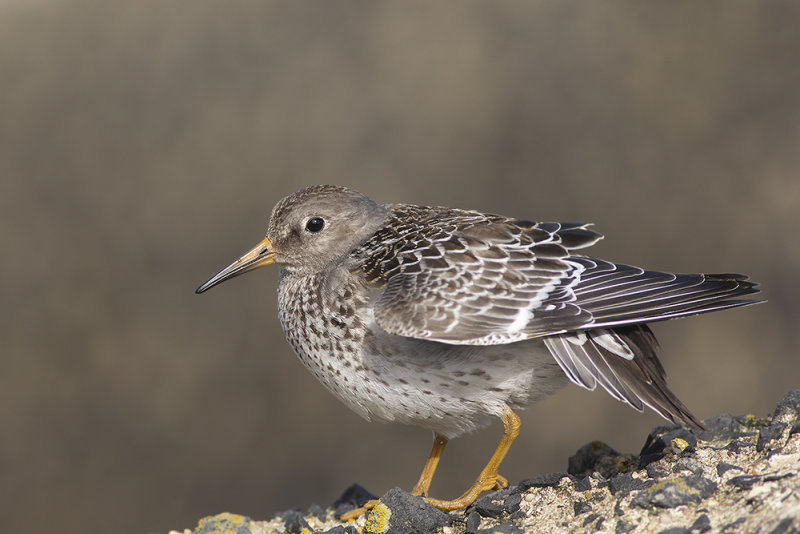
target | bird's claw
x=354, y=514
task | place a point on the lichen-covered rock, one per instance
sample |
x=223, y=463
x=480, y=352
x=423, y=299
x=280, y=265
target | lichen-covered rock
x=224, y=523
x=352, y=498
x=740, y=474
x=399, y=512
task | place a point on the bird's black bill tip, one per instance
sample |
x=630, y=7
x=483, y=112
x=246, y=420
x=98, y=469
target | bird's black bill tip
x=208, y=284
x=259, y=256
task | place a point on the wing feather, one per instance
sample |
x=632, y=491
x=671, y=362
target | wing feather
x=463, y=277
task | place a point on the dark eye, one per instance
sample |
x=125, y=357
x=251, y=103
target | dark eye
x=315, y=224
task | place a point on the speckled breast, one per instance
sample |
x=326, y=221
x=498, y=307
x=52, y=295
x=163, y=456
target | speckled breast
x=325, y=324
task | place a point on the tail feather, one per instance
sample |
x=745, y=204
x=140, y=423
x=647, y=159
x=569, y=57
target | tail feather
x=638, y=381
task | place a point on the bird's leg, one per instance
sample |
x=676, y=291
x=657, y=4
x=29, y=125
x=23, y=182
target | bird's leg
x=423, y=485
x=489, y=478
x=358, y=512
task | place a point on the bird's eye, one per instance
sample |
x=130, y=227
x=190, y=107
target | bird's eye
x=315, y=224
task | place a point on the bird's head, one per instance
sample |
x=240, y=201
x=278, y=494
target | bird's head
x=309, y=231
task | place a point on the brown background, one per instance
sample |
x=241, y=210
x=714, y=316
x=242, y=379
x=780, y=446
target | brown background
x=142, y=145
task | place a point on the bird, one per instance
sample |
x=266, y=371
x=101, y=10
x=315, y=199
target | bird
x=448, y=319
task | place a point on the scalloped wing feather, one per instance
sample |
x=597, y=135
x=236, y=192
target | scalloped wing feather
x=468, y=278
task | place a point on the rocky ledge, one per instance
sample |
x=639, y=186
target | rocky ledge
x=741, y=474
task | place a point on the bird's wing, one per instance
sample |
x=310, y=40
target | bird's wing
x=499, y=281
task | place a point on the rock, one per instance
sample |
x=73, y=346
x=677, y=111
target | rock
x=512, y=503
x=786, y=525
x=598, y=457
x=739, y=474
x=654, y=472
x=674, y=492
x=744, y=482
x=473, y=522
x=734, y=526
x=340, y=529
x=589, y=456
x=225, y=522
x=353, y=497
x=582, y=484
x=666, y=439
x=581, y=507
x=769, y=434
x=625, y=483
x=723, y=468
x=317, y=511
x=485, y=506
x=543, y=481
x=788, y=407
x=399, y=512
x=294, y=522
x=737, y=446
x=591, y=518
x=701, y=524
x=505, y=528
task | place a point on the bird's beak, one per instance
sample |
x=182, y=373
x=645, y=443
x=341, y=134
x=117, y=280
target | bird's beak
x=258, y=256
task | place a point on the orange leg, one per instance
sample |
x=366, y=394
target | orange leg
x=420, y=488
x=425, y=479
x=358, y=512
x=489, y=478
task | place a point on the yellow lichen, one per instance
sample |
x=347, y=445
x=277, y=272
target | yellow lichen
x=223, y=522
x=378, y=519
x=753, y=421
x=680, y=443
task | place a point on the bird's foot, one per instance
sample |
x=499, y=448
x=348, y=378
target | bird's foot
x=352, y=515
x=485, y=482
x=419, y=491
x=500, y=482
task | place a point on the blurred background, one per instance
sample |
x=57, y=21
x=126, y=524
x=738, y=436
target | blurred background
x=143, y=145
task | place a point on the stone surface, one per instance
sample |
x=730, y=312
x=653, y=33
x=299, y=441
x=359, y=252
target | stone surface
x=294, y=522
x=353, y=497
x=674, y=492
x=399, y=512
x=341, y=529
x=770, y=434
x=701, y=524
x=594, y=457
x=739, y=475
x=224, y=523
x=543, y=481
x=317, y=511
